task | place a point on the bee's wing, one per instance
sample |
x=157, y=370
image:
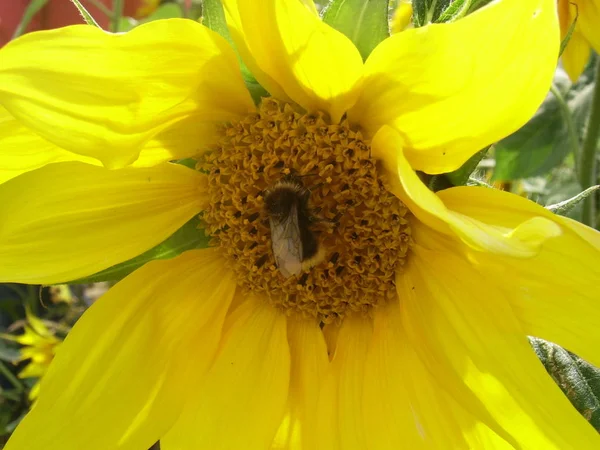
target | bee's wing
x=286, y=244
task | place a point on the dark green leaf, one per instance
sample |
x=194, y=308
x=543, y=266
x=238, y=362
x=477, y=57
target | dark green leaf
x=579, y=380
x=476, y=4
x=441, y=11
x=427, y=11
x=188, y=237
x=461, y=176
x=365, y=23
x=454, y=11
x=544, y=142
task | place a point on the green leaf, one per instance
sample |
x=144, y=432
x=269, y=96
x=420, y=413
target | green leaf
x=32, y=9
x=426, y=11
x=442, y=11
x=87, y=17
x=562, y=208
x=461, y=176
x=553, y=133
x=476, y=4
x=365, y=23
x=188, y=237
x=454, y=11
x=579, y=380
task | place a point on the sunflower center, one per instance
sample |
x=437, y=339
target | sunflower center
x=300, y=211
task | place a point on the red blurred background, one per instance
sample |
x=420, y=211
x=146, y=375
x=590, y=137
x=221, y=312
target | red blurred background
x=56, y=13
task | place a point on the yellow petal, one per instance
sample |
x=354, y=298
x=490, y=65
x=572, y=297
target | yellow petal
x=341, y=425
x=68, y=220
x=37, y=324
x=406, y=405
x=463, y=328
x=402, y=16
x=23, y=150
x=521, y=240
x=588, y=20
x=121, y=376
x=293, y=54
x=577, y=53
x=241, y=401
x=187, y=138
x=309, y=363
x=451, y=89
x=554, y=294
x=576, y=56
x=105, y=95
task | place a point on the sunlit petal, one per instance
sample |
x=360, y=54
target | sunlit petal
x=461, y=328
x=294, y=55
x=522, y=240
x=451, y=89
x=241, y=401
x=340, y=421
x=554, y=294
x=105, y=95
x=68, y=220
x=406, y=405
x=122, y=375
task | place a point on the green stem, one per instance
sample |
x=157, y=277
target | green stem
x=103, y=9
x=587, y=163
x=11, y=377
x=116, y=15
x=568, y=117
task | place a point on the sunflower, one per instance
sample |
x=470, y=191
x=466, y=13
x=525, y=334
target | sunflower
x=411, y=330
x=39, y=347
x=585, y=36
x=402, y=16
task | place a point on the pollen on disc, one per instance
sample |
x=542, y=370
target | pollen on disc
x=362, y=229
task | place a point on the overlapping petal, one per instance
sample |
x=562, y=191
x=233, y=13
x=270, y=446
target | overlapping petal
x=296, y=56
x=554, y=294
x=451, y=318
x=576, y=55
x=520, y=240
x=68, y=220
x=241, y=401
x=588, y=20
x=340, y=417
x=124, y=372
x=405, y=404
x=24, y=150
x=309, y=363
x=451, y=89
x=105, y=95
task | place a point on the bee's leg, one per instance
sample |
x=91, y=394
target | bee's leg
x=315, y=218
